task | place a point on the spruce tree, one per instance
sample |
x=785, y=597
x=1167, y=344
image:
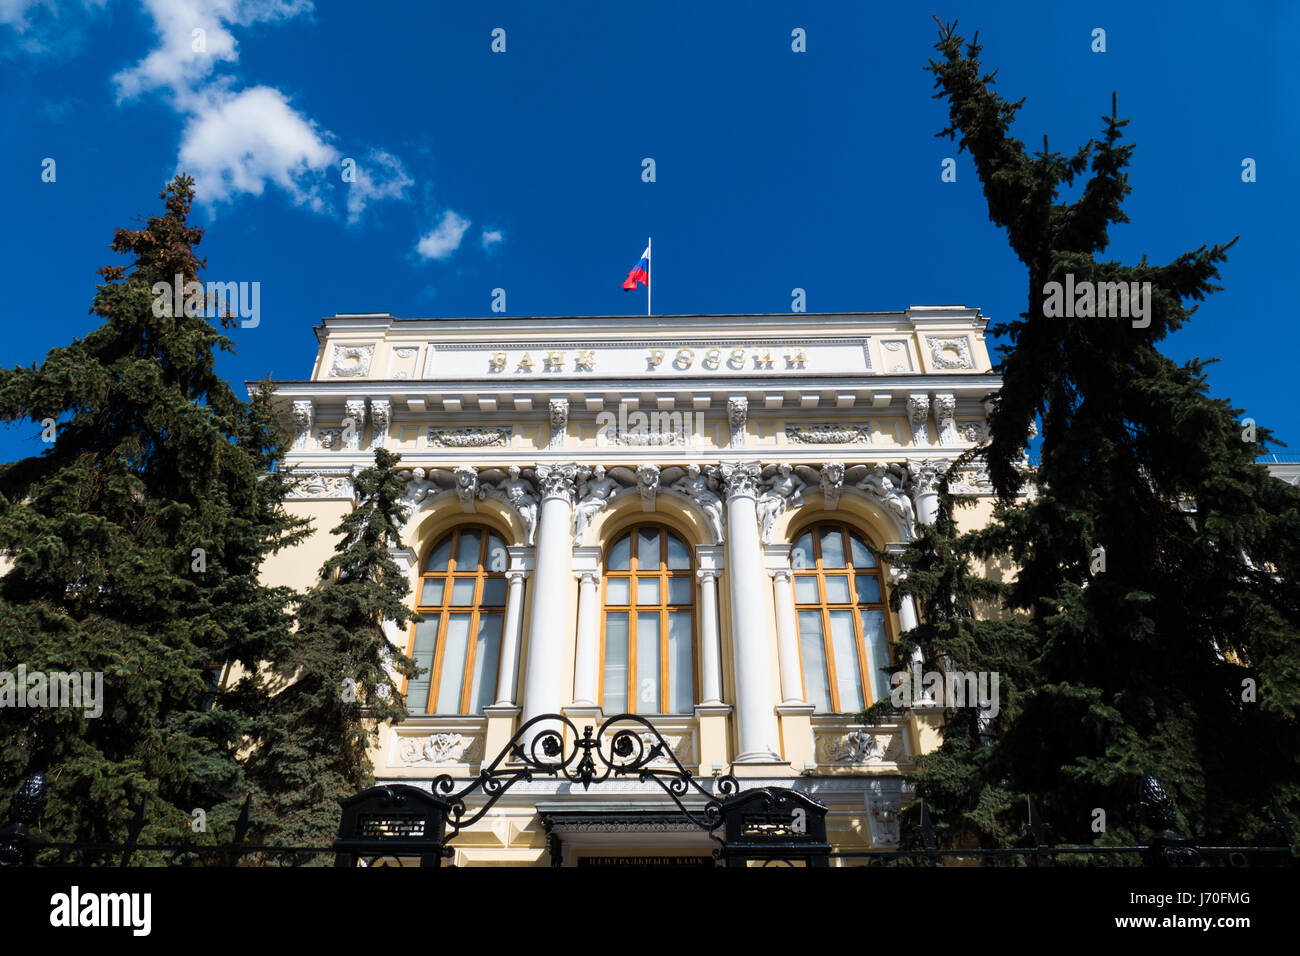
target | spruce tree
x=135, y=541
x=1158, y=566
x=335, y=674
x=962, y=629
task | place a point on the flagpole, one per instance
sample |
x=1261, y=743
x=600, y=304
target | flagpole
x=651, y=264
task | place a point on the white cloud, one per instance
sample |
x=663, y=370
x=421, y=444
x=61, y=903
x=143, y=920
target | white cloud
x=239, y=142
x=491, y=238
x=445, y=237
x=175, y=64
x=380, y=175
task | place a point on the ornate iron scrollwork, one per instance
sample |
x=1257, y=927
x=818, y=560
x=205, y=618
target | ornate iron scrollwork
x=586, y=762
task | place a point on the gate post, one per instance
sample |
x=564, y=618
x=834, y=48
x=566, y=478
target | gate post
x=774, y=824
x=17, y=843
x=396, y=820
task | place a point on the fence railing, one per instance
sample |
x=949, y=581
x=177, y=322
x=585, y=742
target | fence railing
x=22, y=845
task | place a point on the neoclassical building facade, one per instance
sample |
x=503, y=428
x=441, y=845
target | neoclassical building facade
x=667, y=516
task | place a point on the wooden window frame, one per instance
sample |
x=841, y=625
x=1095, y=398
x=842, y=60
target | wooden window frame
x=445, y=609
x=632, y=575
x=854, y=607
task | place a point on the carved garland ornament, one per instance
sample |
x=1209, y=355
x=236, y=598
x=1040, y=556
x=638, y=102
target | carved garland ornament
x=351, y=361
x=855, y=747
x=941, y=347
x=828, y=433
x=323, y=484
x=470, y=437
x=438, y=749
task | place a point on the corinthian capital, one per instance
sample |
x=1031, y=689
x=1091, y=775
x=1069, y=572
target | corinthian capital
x=924, y=474
x=740, y=479
x=558, y=481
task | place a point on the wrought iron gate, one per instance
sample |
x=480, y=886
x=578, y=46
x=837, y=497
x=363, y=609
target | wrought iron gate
x=767, y=824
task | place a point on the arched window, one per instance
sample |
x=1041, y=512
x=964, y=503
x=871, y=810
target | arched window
x=843, y=621
x=647, y=641
x=462, y=600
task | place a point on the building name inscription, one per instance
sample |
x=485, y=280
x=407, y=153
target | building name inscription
x=648, y=361
x=683, y=360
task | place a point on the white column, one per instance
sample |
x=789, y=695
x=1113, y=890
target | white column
x=508, y=673
x=787, y=638
x=544, y=676
x=908, y=619
x=907, y=613
x=587, y=659
x=755, y=709
x=710, y=645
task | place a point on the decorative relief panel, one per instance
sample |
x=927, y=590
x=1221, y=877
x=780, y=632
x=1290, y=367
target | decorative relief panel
x=682, y=746
x=859, y=747
x=351, y=361
x=974, y=432
x=640, y=438
x=438, y=749
x=402, y=362
x=898, y=357
x=329, y=439
x=469, y=437
x=323, y=483
x=972, y=481
x=949, y=352
x=828, y=433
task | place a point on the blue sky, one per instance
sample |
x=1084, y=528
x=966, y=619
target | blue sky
x=522, y=170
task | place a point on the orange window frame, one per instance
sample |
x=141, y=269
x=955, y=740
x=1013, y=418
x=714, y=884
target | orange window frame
x=825, y=606
x=663, y=574
x=480, y=575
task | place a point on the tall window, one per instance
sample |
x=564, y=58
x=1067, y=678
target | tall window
x=462, y=599
x=843, y=627
x=648, y=636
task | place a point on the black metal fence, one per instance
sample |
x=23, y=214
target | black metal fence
x=767, y=826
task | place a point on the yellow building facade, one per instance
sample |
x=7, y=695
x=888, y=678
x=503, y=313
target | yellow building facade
x=664, y=515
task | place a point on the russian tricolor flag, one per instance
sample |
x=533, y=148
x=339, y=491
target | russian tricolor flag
x=641, y=273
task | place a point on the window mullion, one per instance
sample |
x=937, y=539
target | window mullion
x=435, y=676
x=663, y=623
